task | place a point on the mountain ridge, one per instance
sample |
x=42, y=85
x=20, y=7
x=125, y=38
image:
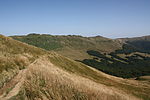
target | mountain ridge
x=128, y=58
x=48, y=69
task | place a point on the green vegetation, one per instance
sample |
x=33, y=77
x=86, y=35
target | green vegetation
x=141, y=45
x=126, y=49
x=71, y=46
x=133, y=66
x=46, y=42
x=138, y=44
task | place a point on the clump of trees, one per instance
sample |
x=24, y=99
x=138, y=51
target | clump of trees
x=130, y=67
x=135, y=46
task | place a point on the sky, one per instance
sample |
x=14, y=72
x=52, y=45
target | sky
x=108, y=18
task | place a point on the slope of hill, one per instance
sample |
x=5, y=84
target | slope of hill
x=14, y=56
x=71, y=46
x=122, y=65
x=132, y=61
x=138, y=44
x=146, y=38
x=101, y=53
x=30, y=73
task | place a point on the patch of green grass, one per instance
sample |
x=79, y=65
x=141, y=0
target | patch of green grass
x=46, y=42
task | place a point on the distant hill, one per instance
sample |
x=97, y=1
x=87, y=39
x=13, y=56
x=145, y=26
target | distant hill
x=125, y=57
x=71, y=46
x=140, y=44
x=146, y=38
x=122, y=65
x=31, y=73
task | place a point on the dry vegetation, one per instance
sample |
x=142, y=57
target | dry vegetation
x=45, y=80
x=30, y=73
x=15, y=56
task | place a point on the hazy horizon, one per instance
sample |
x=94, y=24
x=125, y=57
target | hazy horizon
x=74, y=34
x=107, y=18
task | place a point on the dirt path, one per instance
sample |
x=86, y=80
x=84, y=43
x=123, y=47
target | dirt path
x=12, y=88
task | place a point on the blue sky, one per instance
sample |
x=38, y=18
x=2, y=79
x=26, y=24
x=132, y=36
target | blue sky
x=109, y=18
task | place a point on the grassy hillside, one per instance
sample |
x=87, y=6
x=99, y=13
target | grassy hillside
x=14, y=56
x=106, y=59
x=131, y=61
x=71, y=46
x=39, y=74
x=138, y=44
x=121, y=65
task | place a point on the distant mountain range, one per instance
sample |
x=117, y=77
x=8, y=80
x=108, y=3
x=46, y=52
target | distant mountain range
x=123, y=57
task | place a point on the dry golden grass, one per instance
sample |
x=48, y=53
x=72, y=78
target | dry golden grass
x=15, y=56
x=40, y=75
x=45, y=80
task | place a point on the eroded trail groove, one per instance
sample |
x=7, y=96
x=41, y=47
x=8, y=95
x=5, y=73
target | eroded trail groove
x=13, y=87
